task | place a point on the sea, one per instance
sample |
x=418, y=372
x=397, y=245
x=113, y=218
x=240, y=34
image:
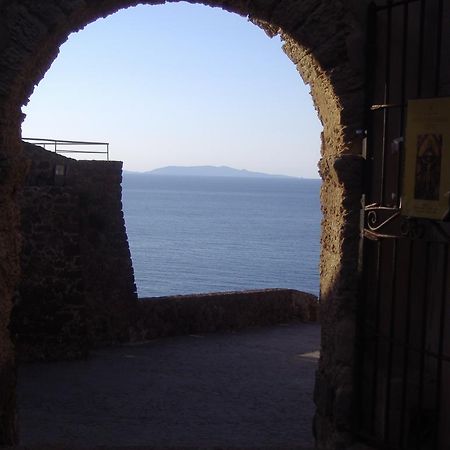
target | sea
x=192, y=234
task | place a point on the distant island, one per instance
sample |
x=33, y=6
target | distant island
x=208, y=171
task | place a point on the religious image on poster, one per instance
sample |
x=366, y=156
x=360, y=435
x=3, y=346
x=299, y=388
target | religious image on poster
x=428, y=167
x=426, y=184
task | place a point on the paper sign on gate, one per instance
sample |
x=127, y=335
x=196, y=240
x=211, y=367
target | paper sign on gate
x=426, y=187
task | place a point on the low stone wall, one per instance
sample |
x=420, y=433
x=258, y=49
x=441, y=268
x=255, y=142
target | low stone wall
x=223, y=311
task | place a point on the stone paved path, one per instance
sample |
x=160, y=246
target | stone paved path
x=251, y=389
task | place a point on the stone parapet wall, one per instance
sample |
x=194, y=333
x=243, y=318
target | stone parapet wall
x=77, y=284
x=222, y=311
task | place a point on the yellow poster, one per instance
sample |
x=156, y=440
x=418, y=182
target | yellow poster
x=426, y=188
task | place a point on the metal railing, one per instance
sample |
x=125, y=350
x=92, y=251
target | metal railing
x=62, y=146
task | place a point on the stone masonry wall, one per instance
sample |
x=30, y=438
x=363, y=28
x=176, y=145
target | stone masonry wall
x=77, y=283
x=222, y=311
x=325, y=41
x=49, y=317
x=107, y=267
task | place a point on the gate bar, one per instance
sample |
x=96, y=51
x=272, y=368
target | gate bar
x=441, y=338
x=421, y=48
x=439, y=48
x=386, y=430
x=387, y=79
x=402, y=344
x=400, y=170
x=376, y=343
x=406, y=352
x=423, y=337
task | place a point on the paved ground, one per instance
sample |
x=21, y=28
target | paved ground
x=247, y=389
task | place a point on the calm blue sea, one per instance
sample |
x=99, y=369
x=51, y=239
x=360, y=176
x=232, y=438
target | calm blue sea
x=208, y=234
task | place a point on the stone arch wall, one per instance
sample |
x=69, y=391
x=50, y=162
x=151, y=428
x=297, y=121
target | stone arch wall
x=324, y=39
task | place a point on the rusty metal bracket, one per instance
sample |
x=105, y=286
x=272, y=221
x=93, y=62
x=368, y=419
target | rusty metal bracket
x=383, y=222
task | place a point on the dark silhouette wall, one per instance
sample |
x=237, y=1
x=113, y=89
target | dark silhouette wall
x=77, y=284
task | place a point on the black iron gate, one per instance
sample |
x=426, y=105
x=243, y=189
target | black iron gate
x=404, y=321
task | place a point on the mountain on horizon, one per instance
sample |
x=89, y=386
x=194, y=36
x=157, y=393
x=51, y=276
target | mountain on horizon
x=210, y=171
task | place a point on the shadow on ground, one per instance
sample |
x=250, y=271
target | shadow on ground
x=250, y=389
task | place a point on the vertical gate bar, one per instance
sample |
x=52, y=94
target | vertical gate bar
x=441, y=339
x=423, y=338
x=361, y=344
x=386, y=430
x=371, y=52
x=421, y=48
x=377, y=324
x=438, y=48
x=403, y=98
x=372, y=21
x=406, y=346
x=386, y=112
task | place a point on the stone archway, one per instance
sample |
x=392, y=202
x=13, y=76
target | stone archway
x=323, y=39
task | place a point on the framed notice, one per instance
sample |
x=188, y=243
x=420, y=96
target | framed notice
x=426, y=188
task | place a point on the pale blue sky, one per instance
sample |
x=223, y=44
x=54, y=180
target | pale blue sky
x=180, y=84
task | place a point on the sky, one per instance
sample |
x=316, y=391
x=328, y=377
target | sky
x=179, y=84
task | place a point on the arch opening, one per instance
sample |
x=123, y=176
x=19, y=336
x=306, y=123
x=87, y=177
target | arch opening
x=239, y=110
x=247, y=200
x=336, y=85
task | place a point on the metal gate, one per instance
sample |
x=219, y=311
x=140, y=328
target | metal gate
x=404, y=316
